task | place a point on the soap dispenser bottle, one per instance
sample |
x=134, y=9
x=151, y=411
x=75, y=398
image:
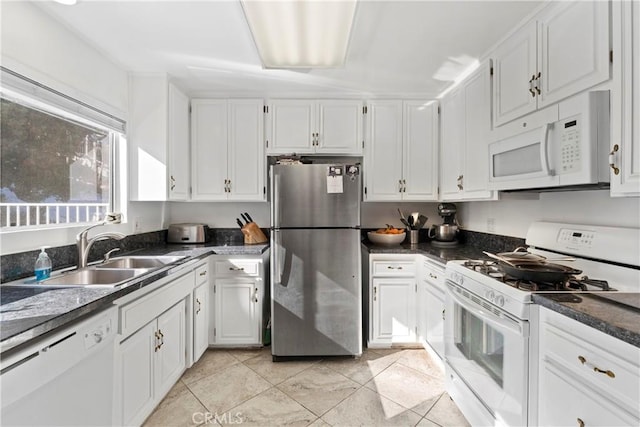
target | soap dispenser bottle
x=43, y=266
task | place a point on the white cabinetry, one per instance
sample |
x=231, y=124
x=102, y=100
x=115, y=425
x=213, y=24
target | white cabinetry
x=393, y=302
x=304, y=126
x=158, y=139
x=201, y=319
x=227, y=156
x=464, y=145
x=151, y=361
x=563, y=52
x=402, y=151
x=152, y=347
x=586, y=377
x=625, y=146
x=431, y=306
x=238, y=299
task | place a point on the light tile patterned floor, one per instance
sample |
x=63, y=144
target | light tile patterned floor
x=396, y=387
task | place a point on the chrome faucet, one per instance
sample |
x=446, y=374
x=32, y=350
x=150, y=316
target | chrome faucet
x=84, y=243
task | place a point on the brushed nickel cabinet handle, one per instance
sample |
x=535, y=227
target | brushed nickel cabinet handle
x=612, y=164
x=236, y=268
x=375, y=293
x=199, y=306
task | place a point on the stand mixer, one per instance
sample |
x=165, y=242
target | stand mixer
x=446, y=233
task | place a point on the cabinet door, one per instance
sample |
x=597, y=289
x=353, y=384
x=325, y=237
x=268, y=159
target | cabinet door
x=236, y=312
x=170, y=356
x=434, y=318
x=178, y=144
x=514, y=65
x=340, y=127
x=451, y=143
x=393, y=310
x=477, y=125
x=573, y=49
x=292, y=126
x=147, y=138
x=208, y=149
x=420, y=151
x=246, y=150
x=383, y=168
x=200, y=320
x=626, y=106
x=136, y=355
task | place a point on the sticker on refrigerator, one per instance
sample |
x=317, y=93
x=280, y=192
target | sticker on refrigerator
x=334, y=179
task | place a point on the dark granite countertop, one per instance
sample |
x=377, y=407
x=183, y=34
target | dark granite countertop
x=607, y=312
x=35, y=311
x=439, y=254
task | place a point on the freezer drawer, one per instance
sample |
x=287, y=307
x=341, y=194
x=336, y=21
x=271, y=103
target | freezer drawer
x=316, y=292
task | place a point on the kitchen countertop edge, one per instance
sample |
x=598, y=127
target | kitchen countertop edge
x=594, y=312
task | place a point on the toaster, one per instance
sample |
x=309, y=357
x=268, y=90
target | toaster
x=187, y=233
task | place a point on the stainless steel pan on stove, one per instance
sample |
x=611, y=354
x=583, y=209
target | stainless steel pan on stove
x=540, y=271
x=522, y=254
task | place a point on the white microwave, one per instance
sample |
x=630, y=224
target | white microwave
x=570, y=148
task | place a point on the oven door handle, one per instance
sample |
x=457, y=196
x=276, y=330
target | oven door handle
x=498, y=320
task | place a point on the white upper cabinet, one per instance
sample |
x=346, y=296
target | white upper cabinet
x=625, y=105
x=227, y=156
x=158, y=139
x=401, y=152
x=466, y=127
x=305, y=126
x=563, y=52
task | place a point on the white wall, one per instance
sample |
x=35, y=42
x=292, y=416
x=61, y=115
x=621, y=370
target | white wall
x=512, y=217
x=35, y=45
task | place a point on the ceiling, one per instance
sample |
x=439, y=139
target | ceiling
x=397, y=48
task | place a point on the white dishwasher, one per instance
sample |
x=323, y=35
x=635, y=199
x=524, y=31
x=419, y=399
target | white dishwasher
x=65, y=379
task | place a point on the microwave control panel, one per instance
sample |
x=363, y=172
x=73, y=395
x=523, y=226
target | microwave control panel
x=570, y=146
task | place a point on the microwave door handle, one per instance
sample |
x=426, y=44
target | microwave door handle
x=545, y=150
x=494, y=319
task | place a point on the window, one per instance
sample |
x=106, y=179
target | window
x=56, y=168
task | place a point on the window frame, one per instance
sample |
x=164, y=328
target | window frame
x=24, y=91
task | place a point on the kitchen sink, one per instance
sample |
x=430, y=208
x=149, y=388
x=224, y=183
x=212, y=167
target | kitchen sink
x=139, y=262
x=94, y=277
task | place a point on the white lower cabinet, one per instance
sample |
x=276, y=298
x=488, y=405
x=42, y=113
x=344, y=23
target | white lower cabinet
x=154, y=343
x=151, y=361
x=586, y=377
x=431, y=306
x=392, y=293
x=238, y=301
x=201, y=318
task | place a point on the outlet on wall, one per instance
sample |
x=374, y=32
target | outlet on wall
x=491, y=225
x=137, y=227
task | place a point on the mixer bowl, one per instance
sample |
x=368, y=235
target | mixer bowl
x=444, y=232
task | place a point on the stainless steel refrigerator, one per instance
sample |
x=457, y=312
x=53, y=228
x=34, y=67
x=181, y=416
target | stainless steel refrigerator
x=316, y=289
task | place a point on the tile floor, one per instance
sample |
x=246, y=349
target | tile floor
x=391, y=387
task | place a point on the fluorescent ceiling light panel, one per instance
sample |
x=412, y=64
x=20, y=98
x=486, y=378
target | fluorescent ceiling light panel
x=301, y=33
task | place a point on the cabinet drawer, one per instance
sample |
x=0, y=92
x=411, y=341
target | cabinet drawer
x=141, y=311
x=592, y=356
x=565, y=402
x=393, y=268
x=237, y=267
x=202, y=273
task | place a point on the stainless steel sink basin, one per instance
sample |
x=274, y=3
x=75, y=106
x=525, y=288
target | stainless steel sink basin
x=139, y=262
x=94, y=277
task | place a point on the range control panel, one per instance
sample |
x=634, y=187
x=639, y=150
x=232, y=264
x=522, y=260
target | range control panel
x=576, y=238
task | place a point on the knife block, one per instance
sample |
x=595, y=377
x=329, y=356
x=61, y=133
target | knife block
x=253, y=235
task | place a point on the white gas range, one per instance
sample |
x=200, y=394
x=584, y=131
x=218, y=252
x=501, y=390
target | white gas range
x=488, y=314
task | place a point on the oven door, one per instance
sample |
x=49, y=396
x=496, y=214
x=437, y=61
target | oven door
x=523, y=161
x=489, y=351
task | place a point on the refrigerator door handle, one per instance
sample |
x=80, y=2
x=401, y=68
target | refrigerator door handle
x=281, y=260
